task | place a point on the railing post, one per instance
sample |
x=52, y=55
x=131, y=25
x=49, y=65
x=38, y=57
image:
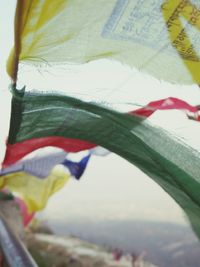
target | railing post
x=14, y=252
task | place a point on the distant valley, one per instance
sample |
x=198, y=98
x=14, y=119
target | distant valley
x=165, y=244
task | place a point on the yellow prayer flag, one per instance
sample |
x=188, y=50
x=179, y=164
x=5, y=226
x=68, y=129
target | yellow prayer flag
x=33, y=190
x=137, y=33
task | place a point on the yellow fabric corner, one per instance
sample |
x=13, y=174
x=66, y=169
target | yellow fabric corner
x=21, y=17
x=32, y=20
x=173, y=12
x=33, y=190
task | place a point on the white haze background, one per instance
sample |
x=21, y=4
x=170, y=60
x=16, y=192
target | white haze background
x=111, y=187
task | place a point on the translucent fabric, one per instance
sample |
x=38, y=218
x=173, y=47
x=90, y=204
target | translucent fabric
x=157, y=36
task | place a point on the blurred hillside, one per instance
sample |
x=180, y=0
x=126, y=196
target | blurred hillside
x=165, y=244
x=53, y=251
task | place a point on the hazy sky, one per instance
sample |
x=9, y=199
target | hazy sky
x=111, y=187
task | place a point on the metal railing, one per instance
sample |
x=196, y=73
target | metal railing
x=14, y=252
